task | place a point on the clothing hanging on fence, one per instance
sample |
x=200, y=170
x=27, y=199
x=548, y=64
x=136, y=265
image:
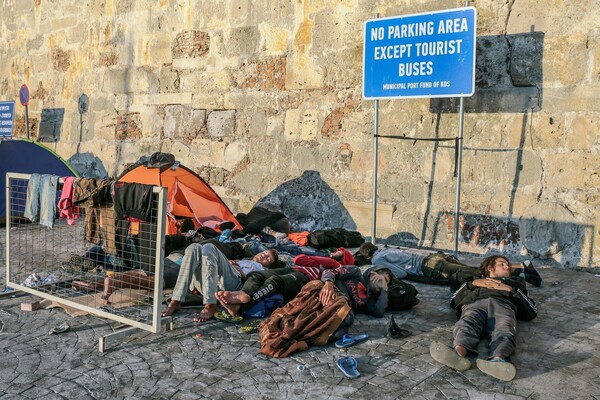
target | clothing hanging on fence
x=41, y=196
x=133, y=200
x=65, y=204
x=94, y=196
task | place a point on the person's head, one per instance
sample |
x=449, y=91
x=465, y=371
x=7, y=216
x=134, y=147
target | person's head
x=267, y=258
x=367, y=250
x=376, y=278
x=186, y=226
x=495, y=267
x=343, y=256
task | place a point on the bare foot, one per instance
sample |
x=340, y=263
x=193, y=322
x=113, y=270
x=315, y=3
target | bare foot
x=173, y=307
x=232, y=309
x=238, y=297
x=207, y=313
x=461, y=351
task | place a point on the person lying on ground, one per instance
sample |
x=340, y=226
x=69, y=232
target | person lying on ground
x=287, y=281
x=438, y=266
x=487, y=307
x=141, y=279
x=321, y=312
x=207, y=270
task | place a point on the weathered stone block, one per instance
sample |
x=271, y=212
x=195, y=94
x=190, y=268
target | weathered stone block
x=234, y=153
x=303, y=73
x=191, y=44
x=265, y=74
x=221, y=123
x=362, y=215
x=301, y=124
x=183, y=122
x=251, y=124
x=243, y=42
x=128, y=126
x=163, y=98
x=567, y=171
x=208, y=101
x=156, y=49
x=275, y=39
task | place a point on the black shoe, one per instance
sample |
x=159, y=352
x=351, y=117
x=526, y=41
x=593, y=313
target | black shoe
x=394, y=331
x=531, y=275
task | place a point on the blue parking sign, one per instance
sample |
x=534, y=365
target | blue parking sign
x=420, y=55
x=7, y=117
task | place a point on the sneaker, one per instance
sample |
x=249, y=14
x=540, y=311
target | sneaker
x=531, y=275
x=280, y=236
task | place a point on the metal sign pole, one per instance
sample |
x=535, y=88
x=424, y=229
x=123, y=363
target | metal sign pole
x=27, y=121
x=459, y=144
x=375, y=156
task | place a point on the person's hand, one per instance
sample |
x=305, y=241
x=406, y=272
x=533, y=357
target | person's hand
x=378, y=281
x=327, y=293
x=490, y=283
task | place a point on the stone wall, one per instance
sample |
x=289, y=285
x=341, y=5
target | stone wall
x=263, y=99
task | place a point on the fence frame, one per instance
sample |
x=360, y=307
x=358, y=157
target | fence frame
x=156, y=325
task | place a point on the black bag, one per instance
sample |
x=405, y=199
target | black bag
x=338, y=237
x=401, y=295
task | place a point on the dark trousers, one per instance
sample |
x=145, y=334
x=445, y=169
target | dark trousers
x=491, y=317
x=262, y=284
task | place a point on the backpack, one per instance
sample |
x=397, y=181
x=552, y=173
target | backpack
x=401, y=295
x=265, y=307
x=338, y=237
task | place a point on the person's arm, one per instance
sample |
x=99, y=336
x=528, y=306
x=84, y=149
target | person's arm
x=315, y=261
x=235, y=265
x=526, y=306
x=377, y=306
x=341, y=273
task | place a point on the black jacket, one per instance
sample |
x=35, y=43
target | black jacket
x=350, y=282
x=524, y=306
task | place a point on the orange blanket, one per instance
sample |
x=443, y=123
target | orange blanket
x=302, y=321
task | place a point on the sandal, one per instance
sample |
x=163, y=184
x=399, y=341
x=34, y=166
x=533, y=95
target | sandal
x=499, y=369
x=351, y=340
x=225, y=317
x=447, y=356
x=251, y=327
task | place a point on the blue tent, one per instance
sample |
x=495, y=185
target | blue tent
x=28, y=157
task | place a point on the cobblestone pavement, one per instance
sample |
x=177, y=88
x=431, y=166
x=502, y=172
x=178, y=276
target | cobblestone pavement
x=557, y=355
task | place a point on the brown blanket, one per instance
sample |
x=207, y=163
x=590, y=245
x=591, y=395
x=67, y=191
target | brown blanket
x=302, y=321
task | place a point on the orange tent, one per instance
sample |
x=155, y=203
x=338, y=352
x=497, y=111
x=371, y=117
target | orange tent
x=188, y=195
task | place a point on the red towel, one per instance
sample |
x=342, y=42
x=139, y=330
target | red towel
x=65, y=204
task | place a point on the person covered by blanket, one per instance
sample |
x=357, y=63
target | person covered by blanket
x=206, y=269
x=437, y=266
x=286, y=281
x=489, y=307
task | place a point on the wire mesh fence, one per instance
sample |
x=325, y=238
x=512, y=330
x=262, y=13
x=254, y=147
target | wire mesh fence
x=95, y=263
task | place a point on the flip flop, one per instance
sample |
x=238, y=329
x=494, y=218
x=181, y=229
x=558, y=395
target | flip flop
x=251, y=327
x=348, y=366
x=499, y=369
x=225, y=317
x=447, y=356
x=351, y=340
